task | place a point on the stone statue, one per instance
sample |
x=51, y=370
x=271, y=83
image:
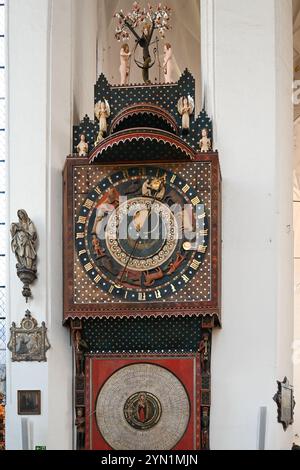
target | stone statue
x=186, y=107
x=24, y=239
x=82, y=147
x=23, y=244
x=102, y=113
x=125, y=56
x=205, y=142
x=168, y=63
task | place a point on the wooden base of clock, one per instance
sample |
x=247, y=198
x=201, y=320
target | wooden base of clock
x=144, y=402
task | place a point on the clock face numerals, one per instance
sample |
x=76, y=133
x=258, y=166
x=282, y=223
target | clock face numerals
x=142, y=234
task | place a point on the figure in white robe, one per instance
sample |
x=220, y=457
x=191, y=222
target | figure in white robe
x=102, y=113
x=186, y=108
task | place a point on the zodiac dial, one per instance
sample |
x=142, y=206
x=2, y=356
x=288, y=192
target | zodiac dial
x=142, y=234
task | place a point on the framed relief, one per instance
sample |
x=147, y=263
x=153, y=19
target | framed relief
x=29, y=402
x=29, y=342
x=285, y=403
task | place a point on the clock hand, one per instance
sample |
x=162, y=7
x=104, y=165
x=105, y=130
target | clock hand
x=139, y=238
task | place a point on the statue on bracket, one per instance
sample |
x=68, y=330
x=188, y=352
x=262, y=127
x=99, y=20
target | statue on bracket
x=24, y=245
x=102, y=113
x=149, y=19
x=186, y=108
x=82, y=147
x=205, y=142
x=168, y=63
x=29, y=342
x=125, y=56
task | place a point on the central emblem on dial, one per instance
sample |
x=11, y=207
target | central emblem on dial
x=142, y=411
x=143, y=230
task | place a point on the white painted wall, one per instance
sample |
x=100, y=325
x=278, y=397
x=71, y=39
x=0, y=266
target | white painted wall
x=253, y=76
x=297, y=278
x=39, y=140
x=250, y=66
x=84, y=56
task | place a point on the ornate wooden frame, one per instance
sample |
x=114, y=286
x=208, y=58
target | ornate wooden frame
x=210, y=309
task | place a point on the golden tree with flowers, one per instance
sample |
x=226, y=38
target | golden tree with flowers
x=148, y=19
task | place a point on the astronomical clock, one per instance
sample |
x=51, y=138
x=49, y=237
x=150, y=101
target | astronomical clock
x=142, y=211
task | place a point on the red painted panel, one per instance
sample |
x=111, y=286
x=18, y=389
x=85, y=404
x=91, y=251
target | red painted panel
x=99, y=369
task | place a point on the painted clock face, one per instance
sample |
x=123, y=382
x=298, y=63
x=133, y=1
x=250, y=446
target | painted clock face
x=142, y=234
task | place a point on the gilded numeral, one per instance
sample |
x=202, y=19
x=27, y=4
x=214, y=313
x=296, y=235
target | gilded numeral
x=125, y=174
x=126, y=295
x=97, y=279
x=79, y=236
x=202, y=216
x=196, y=201
x=110, y=180
x=98, y=191
x=158, y=294
x=111, y=289
x=195, y=265
x=173, y=288
x=173, y=179
x=142, y=296
x=185, y=278
x=203, y=232
x=82, y=252
x=88, y=267
x=186, y=188
x=88, y=204
x=81, y=220
x=202, y=249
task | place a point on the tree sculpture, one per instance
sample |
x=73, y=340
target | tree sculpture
x=148, y=20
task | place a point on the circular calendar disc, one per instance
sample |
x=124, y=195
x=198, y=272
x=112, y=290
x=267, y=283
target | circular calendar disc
x=142, y=407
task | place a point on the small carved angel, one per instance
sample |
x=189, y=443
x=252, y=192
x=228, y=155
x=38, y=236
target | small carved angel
x=186, y=107
x=205, y=142
x=102, y=113
x=82, y=147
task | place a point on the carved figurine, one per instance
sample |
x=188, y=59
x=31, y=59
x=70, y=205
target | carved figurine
x=23, y=244
x=205, y=429
x=205, y=142
x=186, y=107
x=204, y=354
x=80, y=346
x=125, y=56
x=82, y=147
x=102, y=113
x=80, y=425
x=150, y=19
x=168, y=63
